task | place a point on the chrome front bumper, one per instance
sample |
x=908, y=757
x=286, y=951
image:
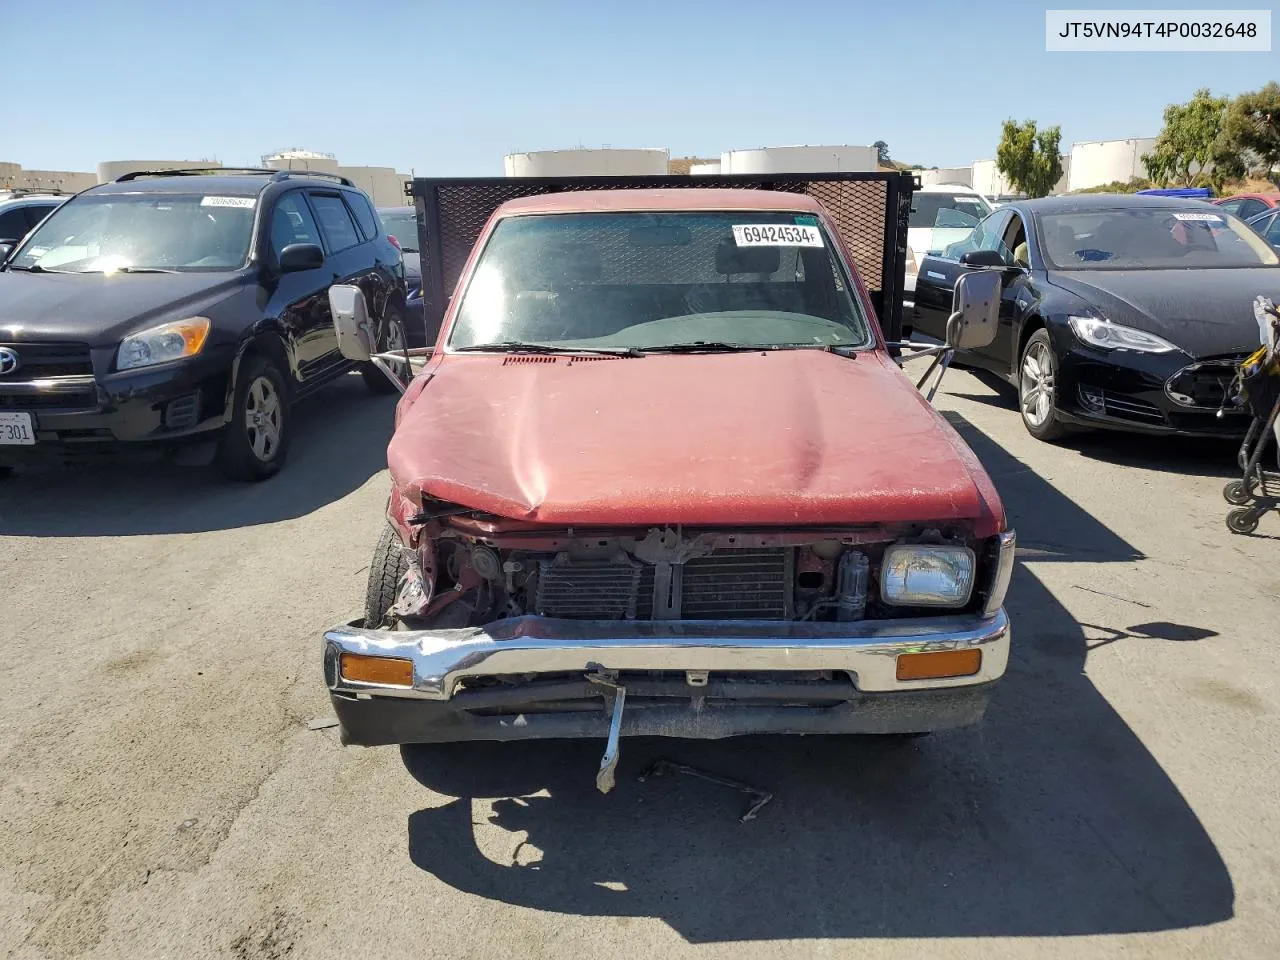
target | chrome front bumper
x=861, y=654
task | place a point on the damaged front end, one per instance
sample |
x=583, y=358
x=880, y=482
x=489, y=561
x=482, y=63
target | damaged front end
x=508, y=630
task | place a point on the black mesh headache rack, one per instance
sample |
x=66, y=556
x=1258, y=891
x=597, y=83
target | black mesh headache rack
x=871, y=211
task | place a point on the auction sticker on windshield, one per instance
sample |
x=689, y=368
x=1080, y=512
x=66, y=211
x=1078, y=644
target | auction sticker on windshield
x=245, y=202
x=15, y=428
x=1197, y=217
x=776, y=235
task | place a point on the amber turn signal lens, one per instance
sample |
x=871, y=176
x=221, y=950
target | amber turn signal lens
x=391, y=671
x=936, y=666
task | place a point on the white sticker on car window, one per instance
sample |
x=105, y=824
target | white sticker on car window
x=242, y=202
x=1197, y=217
x=776, y=235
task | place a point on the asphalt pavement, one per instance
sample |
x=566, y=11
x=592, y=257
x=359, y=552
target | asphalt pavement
x=170, y=787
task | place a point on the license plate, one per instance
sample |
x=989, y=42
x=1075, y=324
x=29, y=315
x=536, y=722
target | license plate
x=16, y=429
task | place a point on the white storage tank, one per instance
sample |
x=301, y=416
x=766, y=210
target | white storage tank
x=109, y=170
x=1095, y=162
x=703, y=169
x=820, y=159
x=648, y=161
x=301, y=160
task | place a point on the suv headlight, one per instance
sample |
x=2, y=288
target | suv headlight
x=169, y=341
x=924, y=575
x=1098, y=332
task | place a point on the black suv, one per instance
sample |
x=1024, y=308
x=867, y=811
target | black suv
x=169, y=308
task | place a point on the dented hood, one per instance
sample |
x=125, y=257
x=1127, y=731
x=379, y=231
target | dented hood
x=794, y=437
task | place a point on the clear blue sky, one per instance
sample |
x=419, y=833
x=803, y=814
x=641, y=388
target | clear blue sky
x=449, y=88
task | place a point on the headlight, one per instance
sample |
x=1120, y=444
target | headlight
x=920, y=575
x=1098, y=332
x=169, y=341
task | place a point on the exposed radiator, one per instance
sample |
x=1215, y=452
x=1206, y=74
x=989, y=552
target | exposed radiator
x=738, y=584
x=728, y=584
x=588, y=589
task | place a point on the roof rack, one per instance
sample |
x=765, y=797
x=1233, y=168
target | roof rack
x=188, y=172
x=214, y=171
x=286, y=174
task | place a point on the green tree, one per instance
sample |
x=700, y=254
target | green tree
x=1029, y=157
x=1193, y=146
x=1253, y=124
x=882, y=152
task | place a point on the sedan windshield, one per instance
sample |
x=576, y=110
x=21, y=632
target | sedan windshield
x=402, y=226
x=143, y=232
x=1149, y=238
x=649, y=281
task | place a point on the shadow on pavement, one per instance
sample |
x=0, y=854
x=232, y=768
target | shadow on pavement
x=1050, y=819
x=1194, y=456
x=339, y=441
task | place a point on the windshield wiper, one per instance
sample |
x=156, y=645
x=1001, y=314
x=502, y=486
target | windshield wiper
x=706, y=346
x=521, y=346
x=132, y=270
x=33, y=268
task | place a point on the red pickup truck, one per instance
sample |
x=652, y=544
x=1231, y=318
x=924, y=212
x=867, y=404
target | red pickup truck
x=661, y=474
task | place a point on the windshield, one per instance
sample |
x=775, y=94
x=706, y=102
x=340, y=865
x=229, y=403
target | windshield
x=635, y=280
x=403, y=226
x=1149, y=238
x=142, y=231
x=962, y=210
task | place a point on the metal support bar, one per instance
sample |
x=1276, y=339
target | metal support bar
x=606, y=777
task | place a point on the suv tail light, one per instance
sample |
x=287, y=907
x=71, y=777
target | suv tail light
x=394, y=242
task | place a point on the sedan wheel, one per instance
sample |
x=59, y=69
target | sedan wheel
x=1037, y=388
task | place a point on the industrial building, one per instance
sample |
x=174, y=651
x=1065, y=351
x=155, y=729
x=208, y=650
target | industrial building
x=14, y=177
x=1095, y=162
x=384, y=185
x=990, y=182
x=952, y=175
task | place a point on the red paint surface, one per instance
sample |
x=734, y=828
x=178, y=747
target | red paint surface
x=794, y=437
x=788, y=438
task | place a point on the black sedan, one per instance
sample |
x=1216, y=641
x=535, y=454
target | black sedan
x=1123, y=312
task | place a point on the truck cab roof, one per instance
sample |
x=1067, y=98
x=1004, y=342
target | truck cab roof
x=595, y=201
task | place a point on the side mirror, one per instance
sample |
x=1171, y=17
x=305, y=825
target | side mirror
x=975, y=310
x=301, y=256
x=983, y=258
x=6, y=248
x=350, y=317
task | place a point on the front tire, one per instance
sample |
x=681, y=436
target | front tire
x=255, y=442
x=386, y=570
x=1037, y=388
x=390, y=339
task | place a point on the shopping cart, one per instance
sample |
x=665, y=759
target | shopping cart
x=1257, y=387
